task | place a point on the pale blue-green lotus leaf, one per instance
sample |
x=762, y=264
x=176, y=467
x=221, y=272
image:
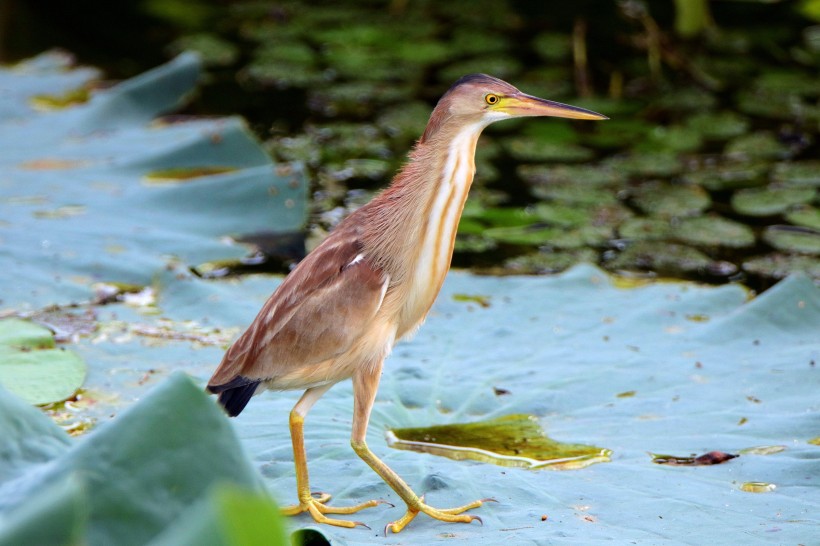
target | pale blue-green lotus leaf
x=709, y=369
x=79, y=193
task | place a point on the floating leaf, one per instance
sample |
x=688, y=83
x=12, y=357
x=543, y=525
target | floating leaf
x=770, y=200
x=792, y=239
x=649, y=164
x=805, y=216
x=599, y=175
x=616, y=134
x=32, y=368
x=729, y=176
x=646, y=229
x=718, y=126
x=715, y=231
x=666, y=259
x=797, y=173
x=685, y=100
x=759, y=145
x=786, y=82
x=666, y=199
x=552, y=261
x=673, y=138
x=529, y=149
x=511, y=440
x=779, y=266
x=575, y=193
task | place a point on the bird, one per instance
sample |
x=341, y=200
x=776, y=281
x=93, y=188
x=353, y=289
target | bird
x=370, y=283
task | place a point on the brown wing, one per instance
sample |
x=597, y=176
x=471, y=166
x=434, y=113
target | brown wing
x=317, y=313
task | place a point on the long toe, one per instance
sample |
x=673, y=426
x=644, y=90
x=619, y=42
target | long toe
x=316, y=507
x=450, y=515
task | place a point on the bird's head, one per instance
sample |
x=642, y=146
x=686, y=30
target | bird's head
x=481, y=99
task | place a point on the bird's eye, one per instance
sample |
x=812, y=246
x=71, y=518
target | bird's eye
x=491, y=99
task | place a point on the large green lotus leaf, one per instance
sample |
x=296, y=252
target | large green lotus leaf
x=28, y=438
x=56, y=516
x=85, y=188
x=229, y=516
x=708, y=369
x=139, y=472
x=705, y=369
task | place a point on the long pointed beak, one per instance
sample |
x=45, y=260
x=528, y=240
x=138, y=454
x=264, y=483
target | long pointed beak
x=520, y=105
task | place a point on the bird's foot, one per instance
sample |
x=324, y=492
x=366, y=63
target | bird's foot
x=316, y=507
x=452, y=515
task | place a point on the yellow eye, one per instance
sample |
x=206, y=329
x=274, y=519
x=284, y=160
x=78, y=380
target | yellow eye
x=491, y=99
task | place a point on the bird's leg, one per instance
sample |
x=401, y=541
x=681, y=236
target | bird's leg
x=314, y=505
x=365, y=384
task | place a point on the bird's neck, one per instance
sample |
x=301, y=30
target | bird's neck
x=415, y=220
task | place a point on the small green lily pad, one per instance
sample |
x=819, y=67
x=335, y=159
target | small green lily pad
x=405, y=121
x=672, y=138
x=798, y=173
x=660, y=164
x=779, y=266
x=528, y=149
x=531, y=235
x=33, y=368
x=718, y=126
x=715, y=231
x=598, y=175
x=793, y=239
x=729, y=176
x=536, y=235
x=806, y=216
x=667, y=199
x=616, y=134
x=512, y=440
x=561, y=214
x=646, y=229
x=552, y=261
x=770, y=200
x=759, y=145
x=684, y=100
x=575, y=193
x=785, y=82
x=667, y=259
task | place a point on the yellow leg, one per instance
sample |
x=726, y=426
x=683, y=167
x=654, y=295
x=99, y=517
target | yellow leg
x=309, y=502
x=365, y=385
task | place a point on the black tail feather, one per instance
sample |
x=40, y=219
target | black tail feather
x=235, y=394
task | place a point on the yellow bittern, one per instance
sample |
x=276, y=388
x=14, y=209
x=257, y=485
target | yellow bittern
x=370, y=283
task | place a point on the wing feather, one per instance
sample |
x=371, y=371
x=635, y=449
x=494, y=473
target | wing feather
x=321, y=309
